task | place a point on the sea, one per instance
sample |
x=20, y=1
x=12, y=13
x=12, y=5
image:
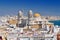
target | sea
x=56, y=22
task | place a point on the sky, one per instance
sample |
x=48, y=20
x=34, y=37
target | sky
x=44, y=7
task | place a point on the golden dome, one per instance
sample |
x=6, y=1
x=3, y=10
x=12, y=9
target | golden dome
x=36, y=15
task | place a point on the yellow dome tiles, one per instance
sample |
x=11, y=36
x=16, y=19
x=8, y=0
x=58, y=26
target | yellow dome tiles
x=36, y=15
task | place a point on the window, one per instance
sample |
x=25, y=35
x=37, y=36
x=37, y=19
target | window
x=39, y=21
x=1, y=38
x=36, y=22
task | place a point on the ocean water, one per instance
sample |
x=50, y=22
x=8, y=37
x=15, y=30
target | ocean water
x=56, y=22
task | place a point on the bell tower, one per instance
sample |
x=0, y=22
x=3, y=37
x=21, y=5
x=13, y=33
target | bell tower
x=20, y=15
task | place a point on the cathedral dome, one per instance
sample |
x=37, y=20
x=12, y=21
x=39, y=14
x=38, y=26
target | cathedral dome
x=37, y=15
